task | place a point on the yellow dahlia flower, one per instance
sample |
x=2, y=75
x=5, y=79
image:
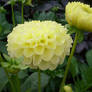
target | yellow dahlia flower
x=43, y=45
x=79, y=15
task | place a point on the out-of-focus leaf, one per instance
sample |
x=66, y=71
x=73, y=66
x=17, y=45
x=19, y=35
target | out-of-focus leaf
x=28, y=2
x=49, y=5
x=56, y=73
x=84, y=84
x=44, y=16
x=31, y=83
x=74, y=67
x=62, y=21
x=5, y=26
x=51, y=86
x=2, y=10
x=3, y=48
x=89, y=57
x=3, y=79
x=22, y=74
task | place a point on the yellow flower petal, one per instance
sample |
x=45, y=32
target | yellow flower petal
x=79, y=15
x=48, y=54
x=41, y=43
x=44, y=65
x=36, y=60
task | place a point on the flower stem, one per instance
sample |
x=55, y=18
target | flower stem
x=22, y=12
x=39, y=81
x=13, y=18
x=18, y=87
x=68, y=63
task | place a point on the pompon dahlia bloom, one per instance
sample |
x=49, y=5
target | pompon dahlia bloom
x=43, y=45
x=79, y=15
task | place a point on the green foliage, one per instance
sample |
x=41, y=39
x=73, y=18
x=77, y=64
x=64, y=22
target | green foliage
x=74, y=67
x=5, y=27
x=56, y=73
x=85, y=83
x=13, y=65
x=2, y=10
x=22, y=74
x=44, y=16
x=89, y=57
x=3, y=47
x=3, y=79
x=31, y=83
x=28, y=2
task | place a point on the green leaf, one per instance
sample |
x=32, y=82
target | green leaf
x=3, y=79
x=88, y=75
x=22, y=74
x=84, y=84
x=51, y=86
x=56, y=73
x=28, y=2
x=89, y=57
x=31, y=83
x=44, y=16
x=74, y=67
x=2, y=10
x=5, y=27
x=0, y=28
x=13, y=65
x=3, y=48
x=12, y=2
x=62, y=21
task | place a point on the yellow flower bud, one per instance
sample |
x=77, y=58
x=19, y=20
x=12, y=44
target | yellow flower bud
x=67, y=88
x=43, y=45
x=79, y=15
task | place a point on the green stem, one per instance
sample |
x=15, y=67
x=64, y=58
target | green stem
x=39, y=81
x=22, y=12
x=13, y=18
x=68, y=64
x=18, y=84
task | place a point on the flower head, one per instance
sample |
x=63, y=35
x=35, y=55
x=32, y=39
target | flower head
x=79, y=15
x=43, y=45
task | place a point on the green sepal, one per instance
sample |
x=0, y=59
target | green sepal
x=72, y=30
x=13, y=65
